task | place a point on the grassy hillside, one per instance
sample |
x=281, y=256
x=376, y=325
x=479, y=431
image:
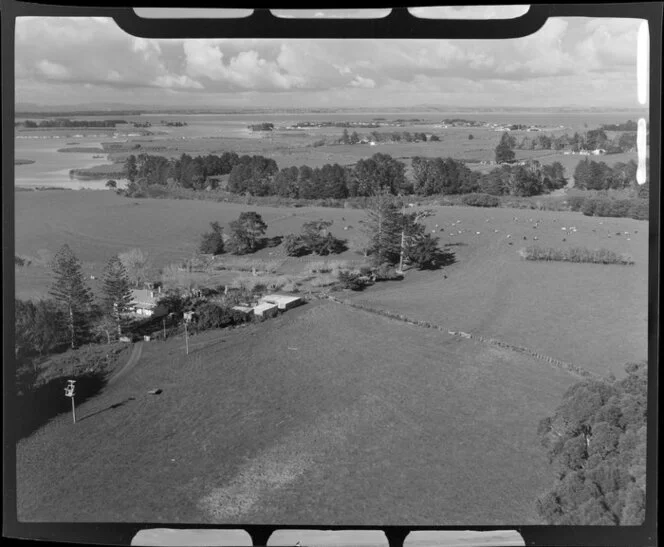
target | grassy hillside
x=327, y=414
x=588, y=314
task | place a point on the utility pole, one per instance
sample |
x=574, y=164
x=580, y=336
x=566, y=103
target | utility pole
x=186, y=337
x=164, y=323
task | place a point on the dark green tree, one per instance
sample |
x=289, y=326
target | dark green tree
x=212, y=242
x=383, y=227
x=246, y=233
x=117, y=297
x=132, y=168
x=504, y=150
x=596, y=441
x=70, y=291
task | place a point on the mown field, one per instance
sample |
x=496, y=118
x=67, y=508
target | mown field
x=326, y=414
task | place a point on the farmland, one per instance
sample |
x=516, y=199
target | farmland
x=329, y=413
x=349, y=409
x=490, y=289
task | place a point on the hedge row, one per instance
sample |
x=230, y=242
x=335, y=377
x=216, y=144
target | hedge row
x=481, y=200
x=575, y=254
x=636, y=208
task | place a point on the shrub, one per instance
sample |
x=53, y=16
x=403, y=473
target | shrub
x=639, y=209
x=386, y=272
x=294, y=246
x=575, y=203
x=324, y=280
x=352, y=280
x=212, y=316
x=605, y=207
x=480, y=200
x=575, y=254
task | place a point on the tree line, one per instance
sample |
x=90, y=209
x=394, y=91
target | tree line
x=432, y=176
x=72, y=123
x=593, y=175
x=594, y=139
x=385, y=136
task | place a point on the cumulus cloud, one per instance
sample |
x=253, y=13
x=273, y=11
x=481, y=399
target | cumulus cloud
x=359, y=81
x=600, y=52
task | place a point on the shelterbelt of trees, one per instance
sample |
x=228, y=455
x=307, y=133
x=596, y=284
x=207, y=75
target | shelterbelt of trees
x=64, y=122
x=260, y=176
x=595, y=139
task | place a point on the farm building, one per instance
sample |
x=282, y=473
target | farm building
x=144, y=302
x=282, y=301
x=244, y=309
x=265, y=310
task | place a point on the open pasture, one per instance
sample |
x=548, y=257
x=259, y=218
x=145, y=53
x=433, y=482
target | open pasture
x=591, y=315
x=97, y=225
x=326, y=414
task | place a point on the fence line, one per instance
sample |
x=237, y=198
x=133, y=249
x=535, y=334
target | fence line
x=563, y=365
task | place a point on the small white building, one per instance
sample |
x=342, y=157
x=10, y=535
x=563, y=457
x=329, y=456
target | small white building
x=282, y=301
x=265, y=310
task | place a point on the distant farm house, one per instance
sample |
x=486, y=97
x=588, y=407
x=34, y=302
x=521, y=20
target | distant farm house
x=144, y=302
x=599, y=152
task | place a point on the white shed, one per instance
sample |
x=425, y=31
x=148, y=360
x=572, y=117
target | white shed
x=265, y=309
x=283, y=301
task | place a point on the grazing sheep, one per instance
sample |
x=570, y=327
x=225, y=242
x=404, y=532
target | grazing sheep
x=478, y=233
x=535, y=238
x=509, y=235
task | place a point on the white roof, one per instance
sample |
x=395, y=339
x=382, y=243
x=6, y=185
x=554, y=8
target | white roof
x=263, y=307
x=244, y=309
x=280, y=298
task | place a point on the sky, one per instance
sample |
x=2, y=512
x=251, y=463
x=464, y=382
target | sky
x=579, y=62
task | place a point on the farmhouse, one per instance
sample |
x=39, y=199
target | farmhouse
x=144, y=302
x=599, y=152
x=282, y=301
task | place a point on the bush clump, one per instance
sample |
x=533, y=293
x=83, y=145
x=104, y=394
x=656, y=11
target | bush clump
x=575, y=254
x=209, y=315
x=604, y=207
x=480, y=200
x=352, y=280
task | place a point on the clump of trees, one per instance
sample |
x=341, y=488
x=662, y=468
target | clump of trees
x=596, y=442
x=397, y=238
x=442, y=176
x=246, y=233
x=592, y=175
x=505, y=148
x=316, y=238
x=530, y=179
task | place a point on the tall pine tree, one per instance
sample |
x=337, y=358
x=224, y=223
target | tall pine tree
x=117, y=293
x=72, y=294
x=383, y=227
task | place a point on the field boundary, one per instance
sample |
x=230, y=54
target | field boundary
x=563, y=365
